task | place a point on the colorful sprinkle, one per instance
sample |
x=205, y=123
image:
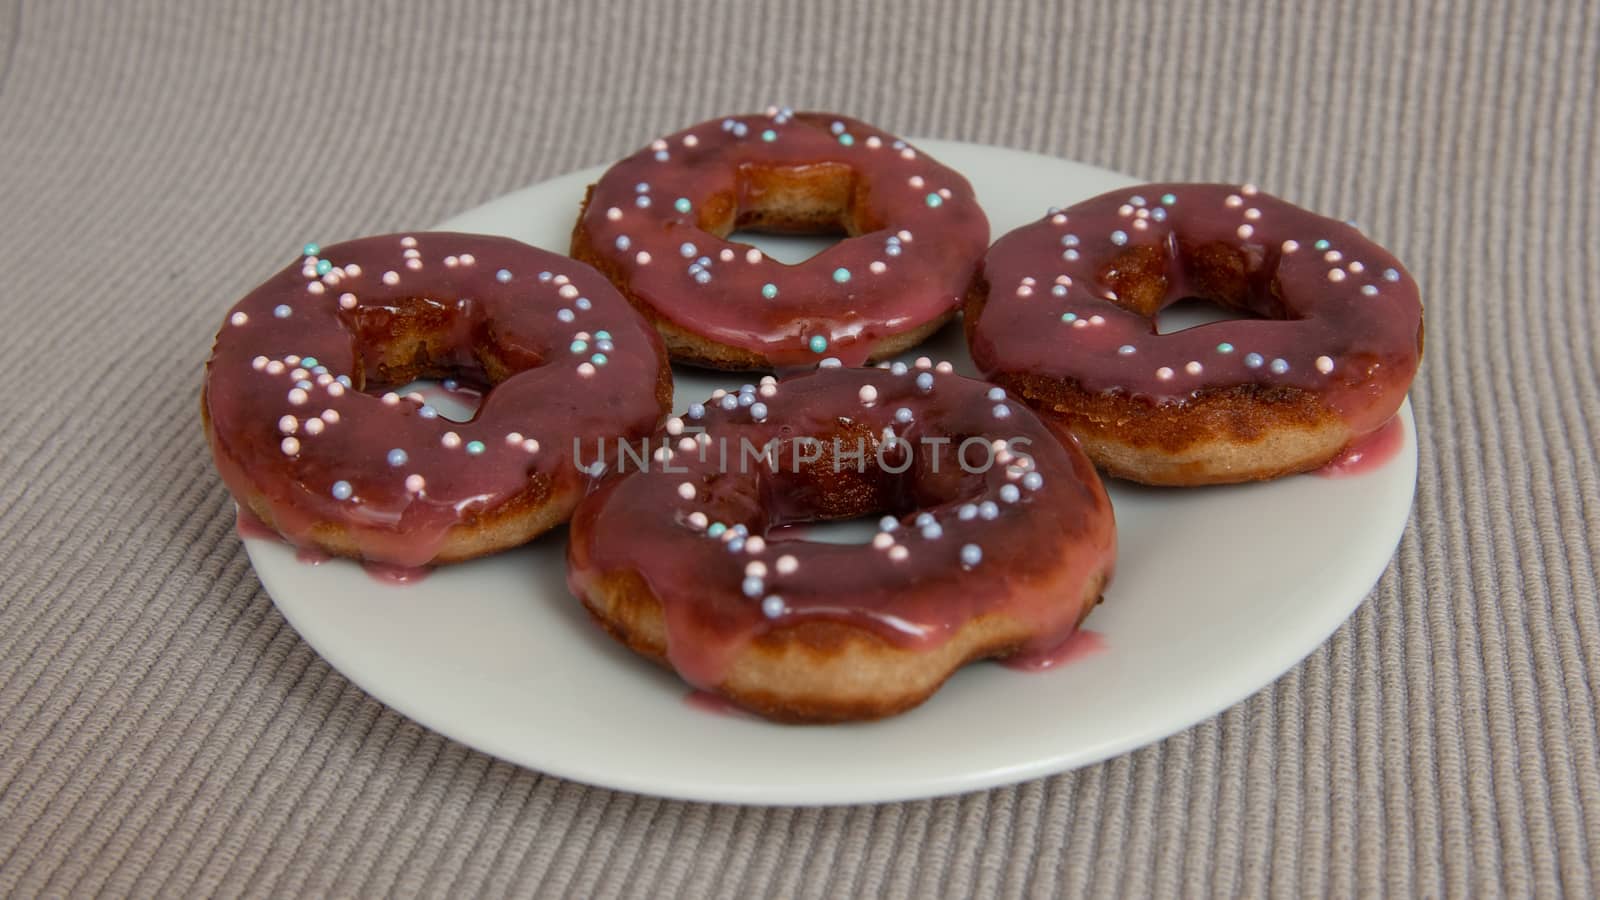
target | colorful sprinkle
x=769, y=290
x=818, y=343
x=971, y=554
x=342, y=490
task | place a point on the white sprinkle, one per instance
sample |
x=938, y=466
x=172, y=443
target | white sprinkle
x=697, y=520
x=289, y=446
x=391, y=277
x=686, y=491
x=1324, y=364
x=239, y=318
x=898, y=553
x=868, y=393
x=883, y=540
x=787, y=565
x=1193, y=368
x=1164, y=373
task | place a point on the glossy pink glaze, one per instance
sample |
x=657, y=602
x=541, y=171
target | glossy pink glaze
x=1042, y=542
x=1079, y=644
x=293, y=436
x=1343, y=321
x=1374, y=451
x=912, y=267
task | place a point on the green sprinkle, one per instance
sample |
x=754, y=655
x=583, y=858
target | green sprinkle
x=312, y=249
x=475, y=447
x=818, y=343
x=598, y=359
x=935, y=200
x=715, y=529
x=769, y=290
x=682, y=205
x=846, y=139
x=769, y=135
x=1168, y=199
x=841, y=275
x=324, y=267
x=309, y=362
x=1069, y=317
x=580, y=346
x=602, y=335
x=1322, y=244
x=1224, y=347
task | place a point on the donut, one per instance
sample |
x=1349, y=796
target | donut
x=310, y=438
x=1064, y=314
x=996, y=539
x=657, y=224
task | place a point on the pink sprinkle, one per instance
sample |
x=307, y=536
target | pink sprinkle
x=1291, y=246
x=916, y=181
x=315, y=287
x=877, y=267
x=530, y=445
x=568, y=291
x=1064, y=280
x=333, y=278
x=1125, y=210
x=562, y=279
x=258, y=363
x=945, y=193
x=240, y=318
x=1058, y=219
x=408, y=241
x=1252, y=214
x=613, y=213
x=352, y=270
x=883, y=540
x=904, y=236
x=1247, y=189
x=1140, y=224
x=412, y=254
x=1234, y=200
x=642, y=258
x=347, y=301
x=415, y=484
x=391, y=277
x=390, y=398
x=451, y=262
x=1356, y=267
x=752, y=256
x=514, y=437
x=586, y=369
x=898, y=553
x=658, y=144
x=923, y=362
x=787, y=564
x=451, y=440
x=944, y=368
x=336, y=390
x=1081, y=323
x=1024, y=291
x=755, y=544
x=698, y=520
x=290, y=446
x=908, y=153
x=413, y=264
x=468, y=259
x=1245, y=231
x=868, y=393
x=1164, y=373
x=1193, y=368
x=686, y=491
x=299, y=374
x=324, y=380
x=1333, y=256
x=1335, y=274
x=331, y=416
x=768, y=390
x=1097, y=319
x=687, y=444
x=275, y=368
x=727, y=254
x=690, y=140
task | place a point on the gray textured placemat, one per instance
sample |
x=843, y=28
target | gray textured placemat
x=163, y=730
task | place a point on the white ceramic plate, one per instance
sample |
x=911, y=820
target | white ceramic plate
x=1217, y=592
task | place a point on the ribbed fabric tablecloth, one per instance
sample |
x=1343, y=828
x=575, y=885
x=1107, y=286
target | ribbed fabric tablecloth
x=163, y=731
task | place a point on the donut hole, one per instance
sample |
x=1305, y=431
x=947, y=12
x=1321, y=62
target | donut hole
x=791, y=213
x=840, y=495
x=1187, y=285
x=442, y=351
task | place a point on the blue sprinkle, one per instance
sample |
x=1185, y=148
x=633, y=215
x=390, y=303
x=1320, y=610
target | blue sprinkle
x=1059, y=290
x=729, y=401
x=687, y=249
x=758, y=411
x=623, y=243
x=345, y=380
x=324, y=267
x=427, y=412
x=740, y=129
x=971, y=555
x=888, y=523
x=598, y=359
x=1033, y=481
x=696, y=410
x=1002, y=411
x=1136, y=200
x=303, y=385
x=642, y=201
x=543, y=276
x=661, y=156
x=902, y=415
x=772, y=607
x=320, y=370
x=702, y=277
x=1224, y=347
x=565, y=315
x=503, y=276
x=1369, y=290
x=746, y=399
x=1127, y=349
x=450, y=384
x=988, y=510
x=641, y=188
x=997, y=393
x=1279, y=366
x=1119, y=237
x=715, y=529
x=898, y=368
x=923, y=519
x=841, y=275
x=741, y=530
x=1159, y=214
x=1253, y=360
x=925, y=381
x=769, y=290
x=769, y=135
x=475, y=447
x=1391, y=275
x=342, y=490
x=935, y=200
x=312, y=249
x=282, y=310
x=682, y=205
x=837, y=128
x=967, y=512
x=580, y=346
x=818, y=343
x=736, y=545
x=1069, y=240
x=604, y=346
x=932, y=531
x=1069, y=255
x=1009, y=493
x=892, y=250
x=398, y=457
